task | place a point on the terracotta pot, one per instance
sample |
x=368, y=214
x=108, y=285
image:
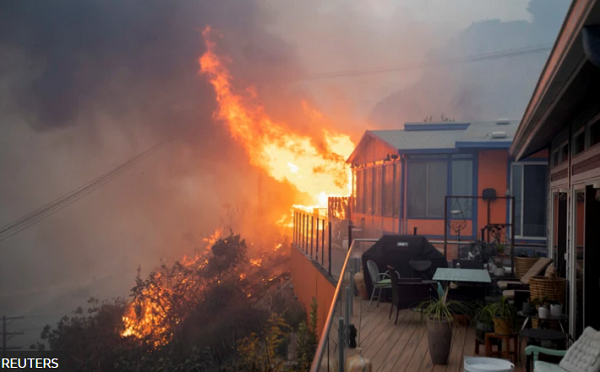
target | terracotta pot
x=359, y=280
x=440, y=341
x=503, y=326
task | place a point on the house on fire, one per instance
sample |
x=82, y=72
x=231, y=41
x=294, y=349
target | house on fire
x=401, y=179
x=563, y=116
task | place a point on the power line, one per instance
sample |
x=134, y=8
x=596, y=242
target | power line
x=439, y=62
x=56, y=205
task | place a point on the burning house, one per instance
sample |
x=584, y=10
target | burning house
x=403, y=176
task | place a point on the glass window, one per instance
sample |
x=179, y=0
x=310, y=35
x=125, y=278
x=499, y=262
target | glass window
x=368, y=206
x=579, y=143
x=360, y=190
x=397, y=188
x=388, y=188
x=462, y=185
x=555, y=159
x=427, y=188
x=565, y=152
x=594, y=133
x=377, y=190
x=529, y=190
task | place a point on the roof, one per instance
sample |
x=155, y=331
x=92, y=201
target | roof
x=444, y=137
x=564, y=82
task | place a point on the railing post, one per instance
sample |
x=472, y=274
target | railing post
x=350, y=227
x=317, y=242
x=329, y=248
x=294, y=228
x=347, y=314
x=323, y=243
x=312, y=234
x=341, y=344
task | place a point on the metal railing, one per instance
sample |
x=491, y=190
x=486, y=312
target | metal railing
x=335, y=335
x=312, y=234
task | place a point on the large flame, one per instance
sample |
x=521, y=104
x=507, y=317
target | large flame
x=319, y=171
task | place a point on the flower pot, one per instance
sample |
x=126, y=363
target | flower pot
x=440, y=340
x=481, y=328
x=358, y=363
x=527, y=308
x=503, y=326
x=556, y=310
x=543, y=312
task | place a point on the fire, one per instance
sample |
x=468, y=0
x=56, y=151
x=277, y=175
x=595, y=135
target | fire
x=256, y=261
x=313, y=165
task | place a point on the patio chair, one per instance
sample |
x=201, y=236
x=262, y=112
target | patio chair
x=582, y=356
x=409, y=293
x=423, y=267
x=508, y=286
x=379, y=280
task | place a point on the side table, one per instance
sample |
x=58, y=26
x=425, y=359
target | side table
x=505, y=353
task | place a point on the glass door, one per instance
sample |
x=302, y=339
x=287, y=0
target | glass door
x=578, y=263
x=559, y=232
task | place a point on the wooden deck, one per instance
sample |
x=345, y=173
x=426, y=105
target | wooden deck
x=404, y=346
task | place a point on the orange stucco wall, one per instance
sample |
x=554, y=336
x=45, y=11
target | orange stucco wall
x=493, y=173
x=309, y=282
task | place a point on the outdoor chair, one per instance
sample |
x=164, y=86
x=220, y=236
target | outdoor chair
x=508, y=287
x=423, y=267
x=409, y=293
x=582, y=356
x=379, y=280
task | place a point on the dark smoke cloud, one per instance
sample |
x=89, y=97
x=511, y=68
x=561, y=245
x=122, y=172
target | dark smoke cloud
x=84, y=86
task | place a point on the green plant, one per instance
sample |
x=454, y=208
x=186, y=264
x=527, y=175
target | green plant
x=500, y=248
x=502, y=309
x=308, y=339
x=484, y=315
x=440, y=309
x=537, y=302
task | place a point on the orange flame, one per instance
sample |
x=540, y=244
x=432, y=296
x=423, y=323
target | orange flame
x=317, y=170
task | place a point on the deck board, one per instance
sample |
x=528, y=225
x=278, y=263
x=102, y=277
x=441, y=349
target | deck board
x=405, y=347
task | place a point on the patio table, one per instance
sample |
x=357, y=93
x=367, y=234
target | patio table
x=462, y=275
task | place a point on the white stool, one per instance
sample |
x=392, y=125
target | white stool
x=481, y=364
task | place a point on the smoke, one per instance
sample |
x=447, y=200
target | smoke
x=479, y=90
x=84, y=86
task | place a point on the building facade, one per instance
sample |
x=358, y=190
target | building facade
x=563, y=116
x=402, y=178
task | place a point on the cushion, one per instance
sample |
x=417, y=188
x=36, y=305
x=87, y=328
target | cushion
x=536, y=269
x=503, y=284
x=584, y=355
x=384, y=283
x=509, y=294
x=550, y=272
x=539, y=366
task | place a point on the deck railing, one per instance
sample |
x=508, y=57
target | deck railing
x=335, y=335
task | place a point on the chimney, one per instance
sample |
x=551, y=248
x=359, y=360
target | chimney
x=499, y=134
x=502, y=122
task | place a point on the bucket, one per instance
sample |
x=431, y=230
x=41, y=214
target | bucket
x=480, y=364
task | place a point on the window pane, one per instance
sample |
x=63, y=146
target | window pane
x=462, y=185
x=517, y=191
x=377, y=189
x=534, y=201
x=388, y=188
x=417, y=193
x=579, y=143
x=565, y=153
x=360, y=190
x=594, y=133
x=437, y=186
x=397, y=188
x=368, y=191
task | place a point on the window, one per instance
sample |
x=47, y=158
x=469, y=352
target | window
x=388, y=190
x=565, y=152
x=360, y=190
x=579, y=142
x=555, y=158
x=427, y=187
x=594, y=133
x=397, y=188
x=368, y=206
x=377, y=190
x=528, y=185
x=462, y=185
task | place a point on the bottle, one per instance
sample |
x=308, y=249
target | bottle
x=457, y=265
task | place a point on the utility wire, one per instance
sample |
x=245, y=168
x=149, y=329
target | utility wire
x=439, y=62
x=56, y=205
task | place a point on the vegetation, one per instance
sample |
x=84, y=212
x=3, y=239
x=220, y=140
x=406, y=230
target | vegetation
x=216, y=312
x=499, y=309
x=440, y=309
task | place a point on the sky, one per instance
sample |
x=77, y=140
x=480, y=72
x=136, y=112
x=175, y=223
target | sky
x=86, y=85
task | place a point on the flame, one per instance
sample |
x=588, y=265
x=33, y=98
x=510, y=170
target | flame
x=212, y=239
x=319, y=171
x=256, y=261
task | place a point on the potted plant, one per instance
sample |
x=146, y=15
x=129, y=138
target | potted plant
x=439, y=315
x=504, y=316
x=556, y=308
x=483, y=321
x=528, y=308
x=542, y=305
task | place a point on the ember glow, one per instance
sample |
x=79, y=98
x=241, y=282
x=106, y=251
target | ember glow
x=313, y=165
